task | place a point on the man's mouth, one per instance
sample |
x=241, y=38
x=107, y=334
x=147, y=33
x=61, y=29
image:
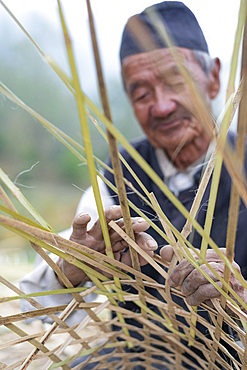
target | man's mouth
x=170, y=123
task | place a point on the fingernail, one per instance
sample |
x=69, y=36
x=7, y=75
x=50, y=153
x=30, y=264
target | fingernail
x=140, y=220
x=152, y=244
x=82, y=214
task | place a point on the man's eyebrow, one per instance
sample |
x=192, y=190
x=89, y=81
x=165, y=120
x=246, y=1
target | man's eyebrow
x=134, y=86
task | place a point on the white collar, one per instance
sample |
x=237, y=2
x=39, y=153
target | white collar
x=178, y=180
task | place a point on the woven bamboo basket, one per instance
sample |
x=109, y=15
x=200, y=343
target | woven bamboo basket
x=171, y=333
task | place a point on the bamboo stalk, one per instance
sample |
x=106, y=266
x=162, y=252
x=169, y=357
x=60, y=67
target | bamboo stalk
x=35, y=343
x=118, y=174
x=58, y=243
x=47, y=240
x=85, y=132
x=37, y=305
x=219, y=157
x=16, y=192
x=32, y=301
x=209, y=169
x=5, y=199
x=87, y=143
x=60, y=135
x=188, y=227
x=176, y=257
x=239, y=156
x=116, y=165
x=56, y=319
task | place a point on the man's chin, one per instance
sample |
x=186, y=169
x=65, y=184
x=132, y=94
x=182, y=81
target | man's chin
x=169, y=144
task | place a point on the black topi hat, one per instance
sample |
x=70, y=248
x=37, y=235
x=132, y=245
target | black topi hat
x=141, y=34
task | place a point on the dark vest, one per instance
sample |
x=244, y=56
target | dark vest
x=219, y=225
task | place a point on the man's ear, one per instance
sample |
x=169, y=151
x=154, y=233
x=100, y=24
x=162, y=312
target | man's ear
x=214, y=79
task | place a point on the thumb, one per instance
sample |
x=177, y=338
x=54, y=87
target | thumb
x=166, y=253
x=79, y=227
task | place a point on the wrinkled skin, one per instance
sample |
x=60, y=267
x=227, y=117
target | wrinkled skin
x=194, y=285
x=93, y=238
x=163, y=103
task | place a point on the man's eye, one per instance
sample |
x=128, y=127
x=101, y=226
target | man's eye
x=141, y=96
x=179, y=86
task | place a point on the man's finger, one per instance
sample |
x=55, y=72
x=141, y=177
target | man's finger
x=79, y=226
x=184, y=268
x=195, y=279
x=111, y=213
x=203, y=293
x=138, y=223
x=166, y=253
x=147, y=243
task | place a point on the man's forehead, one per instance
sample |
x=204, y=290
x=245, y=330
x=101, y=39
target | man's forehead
x=161, y=59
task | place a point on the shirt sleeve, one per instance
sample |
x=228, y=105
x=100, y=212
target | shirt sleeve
x=42, y=277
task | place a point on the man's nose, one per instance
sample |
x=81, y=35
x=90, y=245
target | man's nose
x=163, y=104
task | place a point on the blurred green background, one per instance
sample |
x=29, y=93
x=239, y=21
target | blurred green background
x=48, y=175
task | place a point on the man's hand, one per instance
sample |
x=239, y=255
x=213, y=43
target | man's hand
x=193, y=284
x=93, y=239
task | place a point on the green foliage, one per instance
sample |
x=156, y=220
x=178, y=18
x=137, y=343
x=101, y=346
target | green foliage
x=24, y=142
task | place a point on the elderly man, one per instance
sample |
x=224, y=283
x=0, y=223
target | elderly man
x=175, y=147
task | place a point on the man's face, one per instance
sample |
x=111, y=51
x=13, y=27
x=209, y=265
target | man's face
x=161, y=100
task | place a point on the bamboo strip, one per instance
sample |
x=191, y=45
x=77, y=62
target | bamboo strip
x=35, y=343
x=16, y=192
x=235, y=199
x=63, y=244
x=118, y=173
x=177, y=257
x=87, y=142
x=67, y=282
x=79, y=299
